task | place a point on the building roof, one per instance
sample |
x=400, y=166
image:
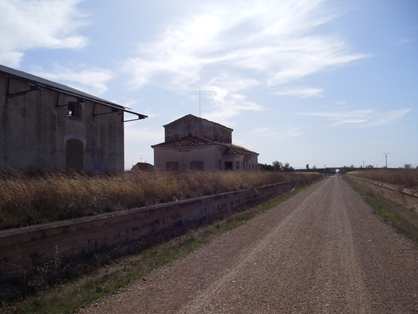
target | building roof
x=41, y=82
x=193, y=116
x=193, y=140
x=142, y=166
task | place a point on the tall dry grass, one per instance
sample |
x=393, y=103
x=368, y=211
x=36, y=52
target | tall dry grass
x=407, y=178
x=27, y=200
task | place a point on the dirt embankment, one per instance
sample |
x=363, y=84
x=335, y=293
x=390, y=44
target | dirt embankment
x=323, y=251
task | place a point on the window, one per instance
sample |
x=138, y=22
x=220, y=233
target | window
x=237, y=165
x=196, y=165
x=74, y=110
x=228, y=165
x=172, y=166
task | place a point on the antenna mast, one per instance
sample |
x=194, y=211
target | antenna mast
x=199, y=104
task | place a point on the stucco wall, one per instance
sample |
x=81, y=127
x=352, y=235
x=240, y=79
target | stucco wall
x=35, y=128
x=208, y=154
x=201, y=127
x=212, y=156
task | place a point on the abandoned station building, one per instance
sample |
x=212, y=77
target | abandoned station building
x=46, y=125
x=193, y=143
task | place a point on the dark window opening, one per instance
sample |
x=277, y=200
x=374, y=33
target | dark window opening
x=228, y=165
x=74, y=110
x=196, y=165
x=172, y=165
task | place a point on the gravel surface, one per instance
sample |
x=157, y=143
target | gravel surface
x=323, y=251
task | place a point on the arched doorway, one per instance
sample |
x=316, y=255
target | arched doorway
x=74, y=154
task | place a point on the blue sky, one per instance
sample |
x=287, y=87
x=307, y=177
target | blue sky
x=301, y=81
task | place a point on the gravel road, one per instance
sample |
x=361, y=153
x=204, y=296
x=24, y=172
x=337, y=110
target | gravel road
x=322, y=251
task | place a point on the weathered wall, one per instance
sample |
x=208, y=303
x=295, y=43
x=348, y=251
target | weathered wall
x=21, y=249
x=213, y=157
x=208, y=154
x=246, y=161
x=201, y=127
x=251, y=161
x=35, y=129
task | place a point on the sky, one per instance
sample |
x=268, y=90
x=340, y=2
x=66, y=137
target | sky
x=308, y=82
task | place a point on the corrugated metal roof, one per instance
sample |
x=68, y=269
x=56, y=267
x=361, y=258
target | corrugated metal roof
x=39, y=81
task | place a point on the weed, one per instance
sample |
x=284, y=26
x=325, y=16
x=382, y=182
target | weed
x=407, y=178
x=101, y=280
x=392, y=213
x=51, y=196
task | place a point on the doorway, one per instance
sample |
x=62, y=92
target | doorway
x=74, y=154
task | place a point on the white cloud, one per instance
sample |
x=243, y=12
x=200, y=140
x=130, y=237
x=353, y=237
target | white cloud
x=389, y=117
x=226, y=99
x=363, y=118
x=30, y=24
x=404, y=41
x=89, y=80
x=271, y=42
x=300, y=92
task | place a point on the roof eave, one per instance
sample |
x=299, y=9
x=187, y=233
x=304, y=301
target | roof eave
x=34, y=80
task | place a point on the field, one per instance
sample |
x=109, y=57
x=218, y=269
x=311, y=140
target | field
x=407, y=178
x=51, y=196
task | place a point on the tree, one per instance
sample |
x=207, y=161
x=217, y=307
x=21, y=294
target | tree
x=277, y=165
x=307, y=167
x=287, y=167
x=267, y=167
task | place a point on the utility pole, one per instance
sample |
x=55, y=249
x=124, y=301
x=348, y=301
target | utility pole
x=363, y=163
x=386, y=158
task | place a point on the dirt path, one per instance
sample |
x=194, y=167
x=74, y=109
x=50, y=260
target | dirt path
x=323, y=251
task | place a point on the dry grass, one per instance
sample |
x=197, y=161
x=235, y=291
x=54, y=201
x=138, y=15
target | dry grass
x=27, y=200
x=407, y=178
x=391, y=208
x=100, y=279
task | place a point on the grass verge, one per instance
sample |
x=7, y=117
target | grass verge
x=394, y=214
x=407, y=178
x=68, y=296
x=52, y=196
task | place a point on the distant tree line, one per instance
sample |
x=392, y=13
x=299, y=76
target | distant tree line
x=277, y=166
